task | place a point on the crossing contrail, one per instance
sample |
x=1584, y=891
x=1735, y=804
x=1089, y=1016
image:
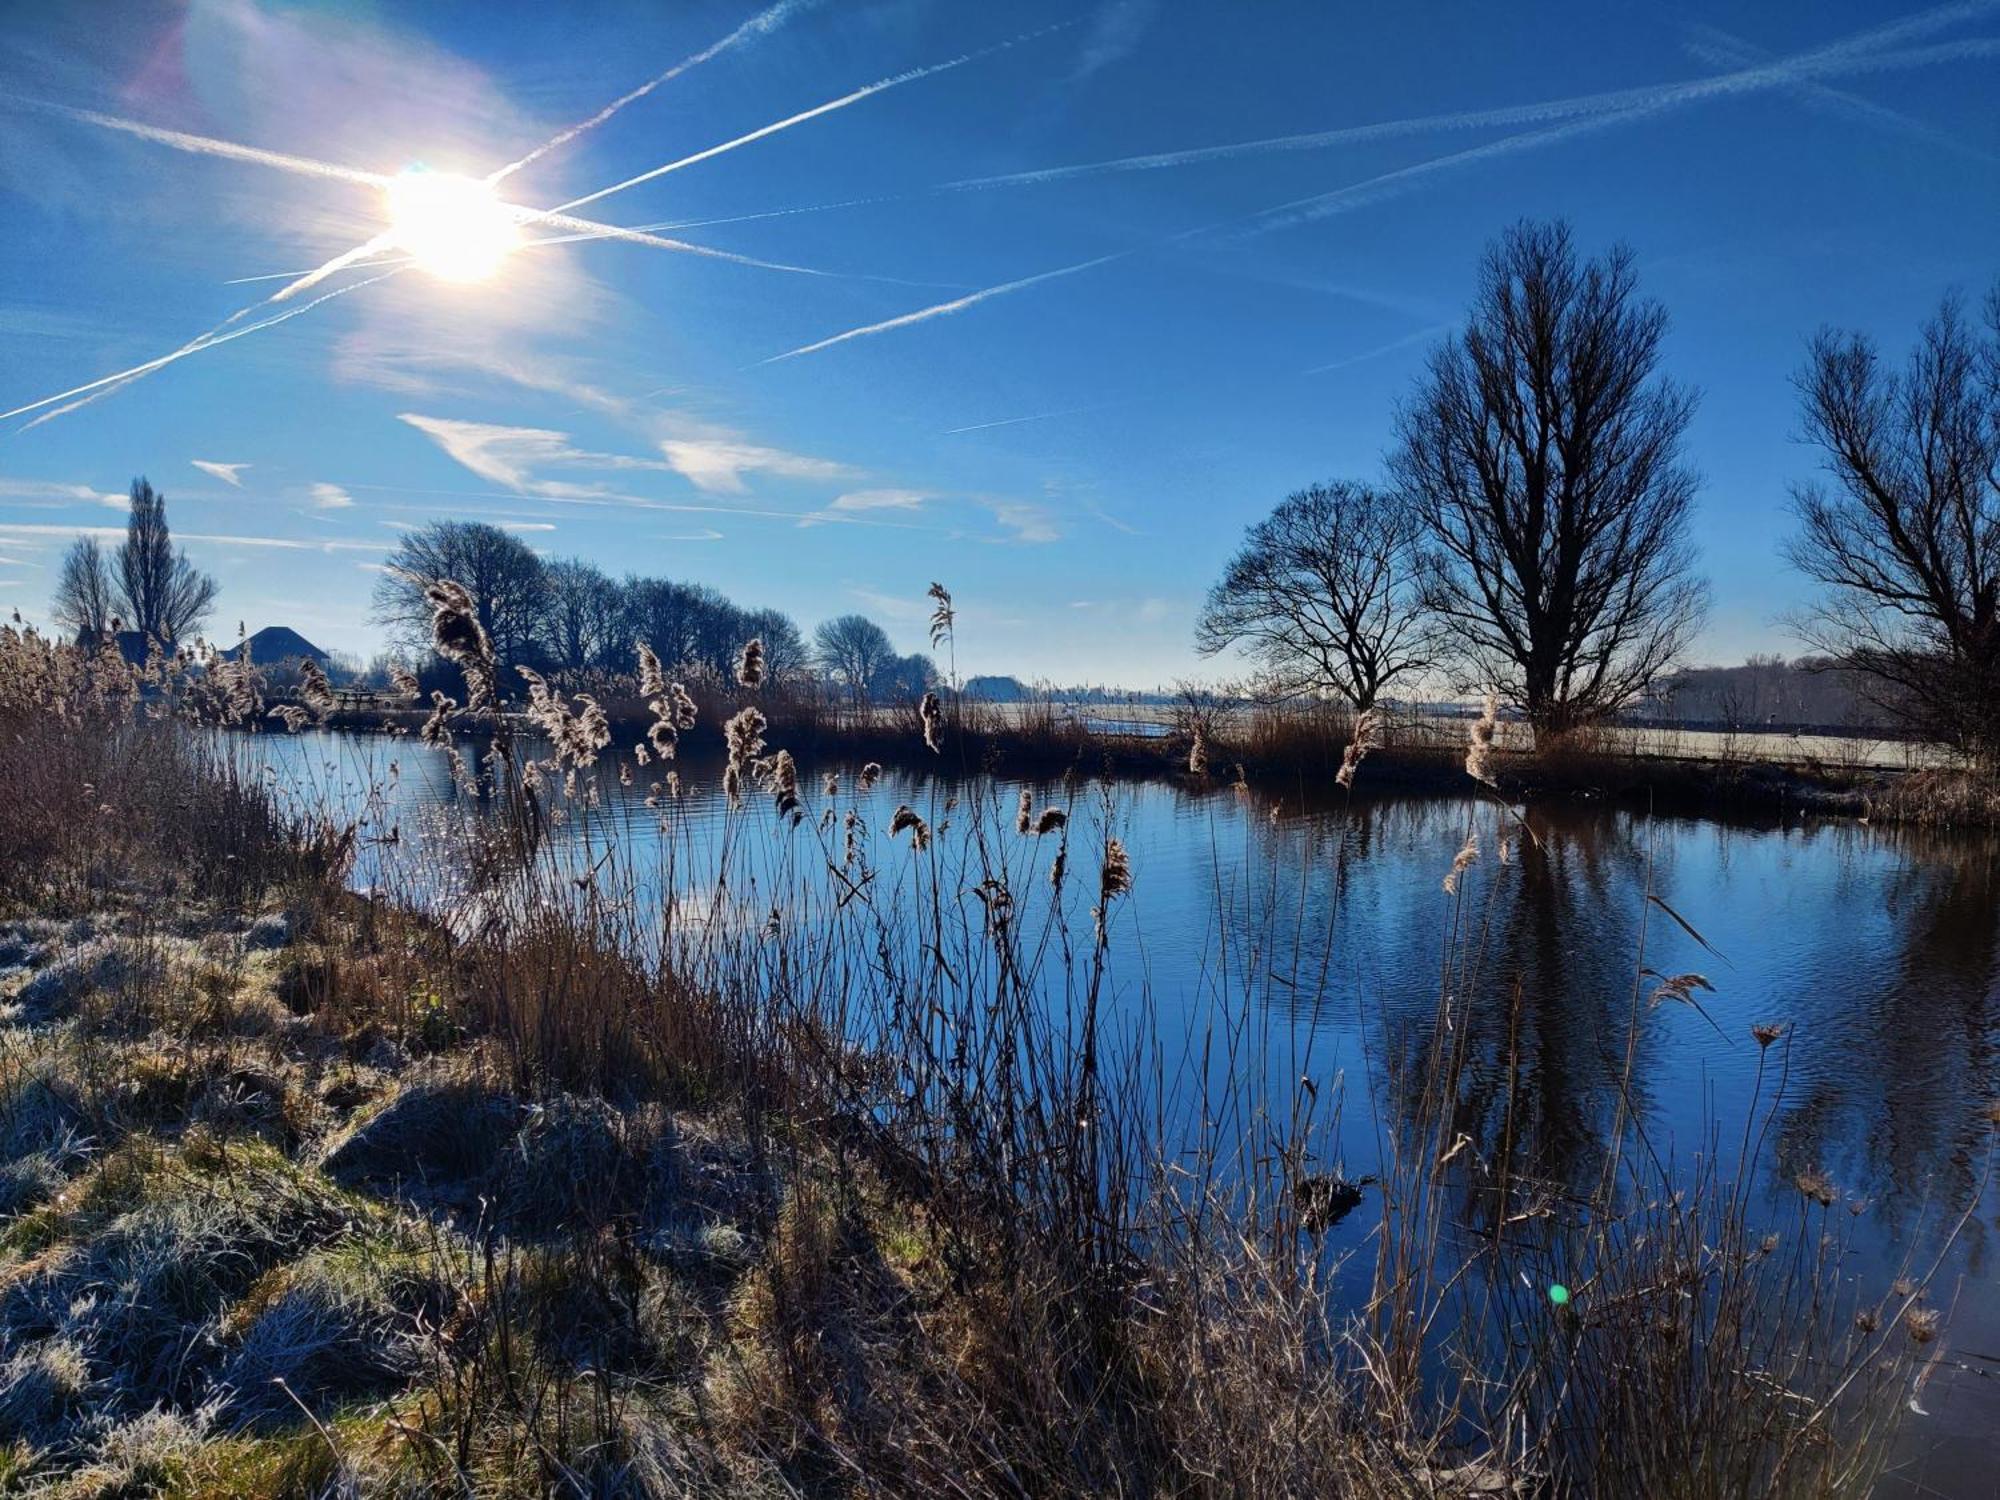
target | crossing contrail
x=194, y=346
x=1849, y=55
x=762, y=24
x=866, y=91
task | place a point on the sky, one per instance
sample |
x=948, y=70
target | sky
x=1046, y=301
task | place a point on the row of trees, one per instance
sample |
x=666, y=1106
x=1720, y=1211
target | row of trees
x=1531, y=536
x=145, y=584
x=570, y=617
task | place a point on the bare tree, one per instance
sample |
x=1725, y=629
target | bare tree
x=581, y=618
x=1323, y=594
x=507, y=582
x=854, y=651
x=84, y=593
x=1906, y=538
x=1542, y=451
x=162, y=595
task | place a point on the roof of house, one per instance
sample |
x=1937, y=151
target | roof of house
x=276, y=643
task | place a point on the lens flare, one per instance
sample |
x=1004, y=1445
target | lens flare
x=454, y=227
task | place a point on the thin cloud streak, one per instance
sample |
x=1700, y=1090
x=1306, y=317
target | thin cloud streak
x=1380, y=349
x=866, y=91
x=946, y=309
x=1837, y=57
x=229, y=474
x=206, y=341
x=760, y=25
x=202, y=145
x=1040, y=416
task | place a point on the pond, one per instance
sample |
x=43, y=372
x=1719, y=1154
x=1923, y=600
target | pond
x=1324, y=925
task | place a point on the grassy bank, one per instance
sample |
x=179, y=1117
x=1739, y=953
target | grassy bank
x=555, y=1191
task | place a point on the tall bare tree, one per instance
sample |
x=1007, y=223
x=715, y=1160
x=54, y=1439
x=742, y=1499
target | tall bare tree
x=1323, y=594
x=161, y=594
x=854, y=651
x=1542, y=450
x=1906, y=534
x=507, y=582
x=84, y=596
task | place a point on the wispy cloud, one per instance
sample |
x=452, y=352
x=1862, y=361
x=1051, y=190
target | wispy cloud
x=1115, y=32
x=527, y=526
x=229, y=474
x=879, y=500
x=329, y=497
x=1026, y=521
x=718, y=465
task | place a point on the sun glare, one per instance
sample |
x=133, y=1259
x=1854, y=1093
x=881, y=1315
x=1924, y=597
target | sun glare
x=454, y=227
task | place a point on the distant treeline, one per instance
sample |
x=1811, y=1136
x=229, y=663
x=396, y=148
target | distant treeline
x=1770, y=692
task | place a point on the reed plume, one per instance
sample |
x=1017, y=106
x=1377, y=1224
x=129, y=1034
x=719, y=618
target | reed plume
x=829, y=786
x=1024, y=814
x=293, y=717
x=1198, y=753
x=1479, y=747
x=460, y=638
x=1461, y=862
x=1367, y=736
x=1052, y=819
x=932, y=716
x=437, y=728
x=315, y=692
x=750, y=665
x=1114, y=879
x=920, y=831
x=870, y=774
x=652, y=681
x=403, y=683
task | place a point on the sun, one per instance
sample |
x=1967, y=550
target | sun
x=454, y=227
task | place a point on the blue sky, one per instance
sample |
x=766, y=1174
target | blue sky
x=1075, y=456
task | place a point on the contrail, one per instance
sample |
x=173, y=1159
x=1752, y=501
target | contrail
x=1040, y=416
x=1396, y=183
x=1379, y=350
x=202, y=145
x=762, y=24
x=866, y=91
x=1719, y=49
x=1838, y=57
x=1845, y=55
x=194, y=346
x=946, y=309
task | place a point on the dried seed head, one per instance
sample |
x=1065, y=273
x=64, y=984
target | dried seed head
x=750, y=665
x=1367, y=735
x=1766, y=1033
x=1479, y=747
x=1461, y=862
x=943, y=617
x=1922, y=1323
x=1816, y=1185
x=932, y=716
x=1024, y=814
x=870, y=774
x=906, y=818
x=1051, y=820
x=652, y=681
x=1198, y=753
x=404, y=683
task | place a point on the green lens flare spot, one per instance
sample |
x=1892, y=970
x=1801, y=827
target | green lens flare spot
x=1559, y=1294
